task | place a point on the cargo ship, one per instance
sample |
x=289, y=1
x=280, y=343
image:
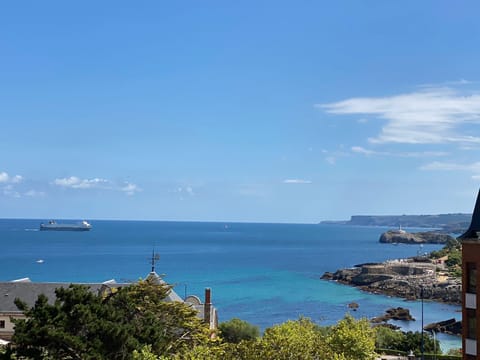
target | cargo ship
x=54, y=226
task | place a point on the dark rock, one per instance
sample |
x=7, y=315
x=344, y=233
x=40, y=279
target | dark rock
x=451, y=326
x=353, y=305
x=398, y=313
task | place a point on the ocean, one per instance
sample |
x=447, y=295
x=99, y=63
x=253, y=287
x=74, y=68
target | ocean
x=262, y=273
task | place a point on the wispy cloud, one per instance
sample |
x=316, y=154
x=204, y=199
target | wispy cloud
x=414, y=154
x=428, y=116
x=8, y=190
x=130, y=189
x=449, y=166
x=77, y=183
x=74, y=182
x=184, y=191
x=296, y=181
x=34, y=193
x=331, y=157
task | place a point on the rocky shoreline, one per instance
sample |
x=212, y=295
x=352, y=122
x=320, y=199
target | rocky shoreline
x=410, y=279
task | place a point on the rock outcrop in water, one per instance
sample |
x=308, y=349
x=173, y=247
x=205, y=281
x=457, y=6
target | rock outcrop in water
x=451, y=326
x=407, y=278
x=398, y=313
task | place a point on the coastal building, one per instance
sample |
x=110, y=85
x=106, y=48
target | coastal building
x=28, y=291
x=470, y=297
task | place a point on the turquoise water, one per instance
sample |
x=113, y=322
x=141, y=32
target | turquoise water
x=262, y=273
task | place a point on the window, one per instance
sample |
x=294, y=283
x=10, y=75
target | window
x=2, y=324
x=471, y=324
x=471, y=278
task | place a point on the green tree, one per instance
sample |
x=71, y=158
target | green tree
x=354, y=339
x=84, y=325
x=386, y=338
x=299, y=339
x=236, y=330
x=413, y=341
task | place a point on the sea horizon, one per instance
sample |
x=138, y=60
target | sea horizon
x=262, y=273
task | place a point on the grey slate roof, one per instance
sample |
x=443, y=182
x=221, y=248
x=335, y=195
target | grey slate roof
x=28, y=291
x=473, y=231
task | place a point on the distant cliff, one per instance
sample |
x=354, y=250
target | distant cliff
x=452, y=223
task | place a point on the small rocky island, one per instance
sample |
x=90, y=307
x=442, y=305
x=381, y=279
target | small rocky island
x=425, y=237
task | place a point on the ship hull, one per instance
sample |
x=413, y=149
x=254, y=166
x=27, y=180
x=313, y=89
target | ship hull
x=54, y=226
x=63, y=228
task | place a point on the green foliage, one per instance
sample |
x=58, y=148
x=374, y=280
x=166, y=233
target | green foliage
x=304, y=340
x=145, y=353
x=387, y=338
x=452, y=249
x=236, y=330
x=413, y=341
x=84, y=325
x=354, y=339
x=454, y=258
x=452, y=245
x=400, y=341
x=298, y=339
x=134, y=323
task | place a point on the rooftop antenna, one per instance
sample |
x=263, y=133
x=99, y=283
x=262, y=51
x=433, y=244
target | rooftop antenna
x=155, y=258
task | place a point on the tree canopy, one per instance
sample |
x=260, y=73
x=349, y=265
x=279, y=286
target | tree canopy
x=81, y=325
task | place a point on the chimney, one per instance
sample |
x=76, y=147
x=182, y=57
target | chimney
x=207, y=306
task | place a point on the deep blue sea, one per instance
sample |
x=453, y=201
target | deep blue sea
x=262, y=273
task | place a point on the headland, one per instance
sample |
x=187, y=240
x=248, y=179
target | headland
x=411, y=279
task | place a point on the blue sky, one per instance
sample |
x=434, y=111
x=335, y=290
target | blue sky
x=265, y=111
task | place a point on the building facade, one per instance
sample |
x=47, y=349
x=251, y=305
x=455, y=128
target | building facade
x=470, y=291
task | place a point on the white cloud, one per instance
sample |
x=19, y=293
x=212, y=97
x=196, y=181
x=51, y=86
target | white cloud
x=429, y=116
x=74, y=182
x=419, y=154
x=361, y=150
x=331, y=160
x=77, y=183
x=296, y=181
x=8, y=190
x=448, y=166
x=130, y=189
x=34, y=193
x=5, y=178
x=188, y=190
